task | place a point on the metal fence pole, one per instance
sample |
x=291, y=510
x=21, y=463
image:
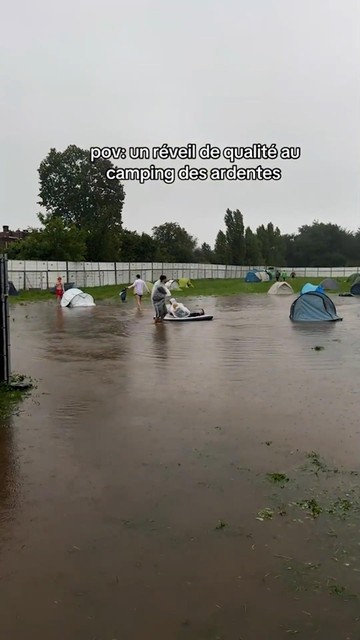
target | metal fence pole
x=5, y=367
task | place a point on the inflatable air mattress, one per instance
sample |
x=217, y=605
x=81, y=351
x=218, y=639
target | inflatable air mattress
x=188, y=318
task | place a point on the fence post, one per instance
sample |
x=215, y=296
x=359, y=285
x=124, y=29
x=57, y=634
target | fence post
x=4, y=322
x=129, y=272
x=115, y=273
x=24, y=275
x=152, y=272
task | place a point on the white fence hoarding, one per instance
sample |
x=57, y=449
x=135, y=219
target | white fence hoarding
x=32, y=274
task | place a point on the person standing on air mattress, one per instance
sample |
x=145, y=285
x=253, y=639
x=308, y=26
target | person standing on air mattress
x=158, y=297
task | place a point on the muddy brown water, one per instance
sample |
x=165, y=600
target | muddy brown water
x=139, y=439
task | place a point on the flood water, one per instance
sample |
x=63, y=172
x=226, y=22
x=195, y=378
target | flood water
x=132, y=478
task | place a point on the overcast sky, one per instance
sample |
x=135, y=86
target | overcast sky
x=227, y=72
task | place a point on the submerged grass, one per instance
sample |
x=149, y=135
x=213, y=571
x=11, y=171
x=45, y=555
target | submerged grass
x=310, y=505
x=208, y=287
x=10, y=398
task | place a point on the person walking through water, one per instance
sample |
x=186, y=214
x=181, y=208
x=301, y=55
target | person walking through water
x=139, y=285
x=158, y=297
x=59, y=289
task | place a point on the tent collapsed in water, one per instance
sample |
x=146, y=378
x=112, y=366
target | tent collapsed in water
x=77, y=298
x=313, y=306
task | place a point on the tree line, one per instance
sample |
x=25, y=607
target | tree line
x=83, y=221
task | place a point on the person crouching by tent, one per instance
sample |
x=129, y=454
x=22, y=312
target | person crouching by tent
x=139, y=285
x=158, y=298
x=59, y=289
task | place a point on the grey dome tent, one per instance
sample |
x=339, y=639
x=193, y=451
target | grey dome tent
x=330, y=284
x=355, y=288
x=313, y=306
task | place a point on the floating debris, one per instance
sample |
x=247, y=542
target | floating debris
x=265, y=514
x=279, y=478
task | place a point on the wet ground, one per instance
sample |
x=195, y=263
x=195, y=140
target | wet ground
x=133, y=482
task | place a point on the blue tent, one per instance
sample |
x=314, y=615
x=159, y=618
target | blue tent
x=252, y=277
x=355, y=288
x=311, y=287
x=313, y=306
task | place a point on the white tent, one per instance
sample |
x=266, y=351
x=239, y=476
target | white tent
x=263, y=275
x=172, y=285
x=77, y=298
x=281, y=288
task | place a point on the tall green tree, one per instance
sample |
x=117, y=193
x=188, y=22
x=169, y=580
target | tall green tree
x=221, y=250
x=253, y=255
x=138, y=248
x=235, y=236
x=78, y=192
x=55, y=241
x=271, y=244
x=323, y=244
x=175, y=244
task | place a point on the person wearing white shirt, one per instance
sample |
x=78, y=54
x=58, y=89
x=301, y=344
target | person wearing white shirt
x=139, y=285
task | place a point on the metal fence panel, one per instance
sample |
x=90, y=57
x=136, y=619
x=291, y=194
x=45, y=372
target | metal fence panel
x=32, y=274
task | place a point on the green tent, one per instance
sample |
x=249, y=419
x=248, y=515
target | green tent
x=185, y=283
x=353, y=277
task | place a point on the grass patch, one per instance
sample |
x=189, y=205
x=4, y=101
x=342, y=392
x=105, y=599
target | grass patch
x=208, y=287
x=265, y=514
x=10, y=398
x=277, y=478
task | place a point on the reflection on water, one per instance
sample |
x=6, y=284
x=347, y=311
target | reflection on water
x=160, y=339
x=9, y=481
x=141, y=438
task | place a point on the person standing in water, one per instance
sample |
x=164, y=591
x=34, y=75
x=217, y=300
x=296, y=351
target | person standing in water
x=59, y=289
x=158, y=297
x=139, y=285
